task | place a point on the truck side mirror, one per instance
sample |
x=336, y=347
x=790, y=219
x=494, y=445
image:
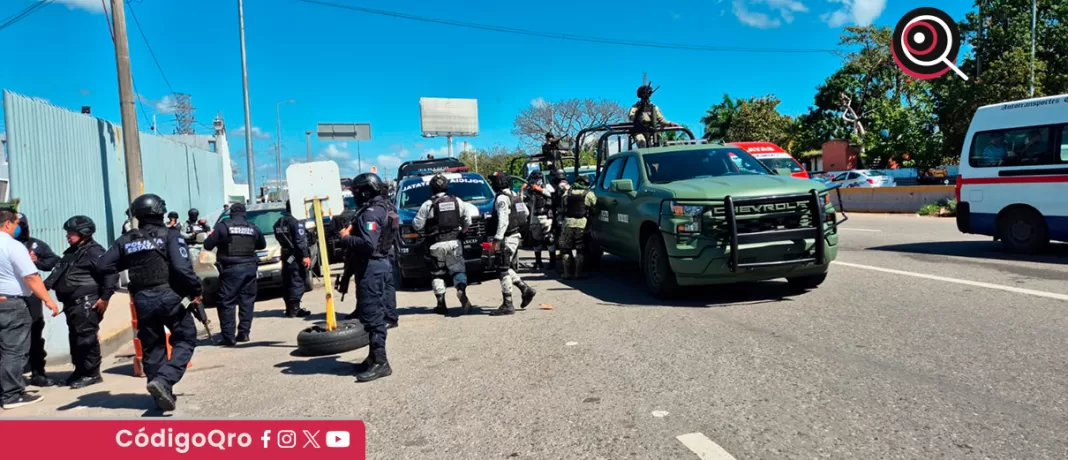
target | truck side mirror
x=622, y=186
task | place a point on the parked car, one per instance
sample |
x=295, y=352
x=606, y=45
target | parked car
x=269, y=275
x=863, y=178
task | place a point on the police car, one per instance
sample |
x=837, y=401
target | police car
x=412, y=191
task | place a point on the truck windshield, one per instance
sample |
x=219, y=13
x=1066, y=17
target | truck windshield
x=779, y=163
x=474, y=191
x=668, y=167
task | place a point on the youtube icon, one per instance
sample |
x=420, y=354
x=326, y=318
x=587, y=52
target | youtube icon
x=338, y=439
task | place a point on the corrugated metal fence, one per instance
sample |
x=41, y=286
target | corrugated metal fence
x=64, y=163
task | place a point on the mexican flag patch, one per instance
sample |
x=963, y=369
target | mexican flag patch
x=371, y=226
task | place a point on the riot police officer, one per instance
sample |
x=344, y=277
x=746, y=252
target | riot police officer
x=85, y=298
x=504, y=222
x=45, y=259
x=578, y=203
x=541, y=222
x=296, y=260
x=646, y=116
x=371, y=239
x=160, y=276
x=443, y=218
x=237, y=240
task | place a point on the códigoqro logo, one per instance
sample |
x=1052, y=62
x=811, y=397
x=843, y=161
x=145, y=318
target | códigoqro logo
x=199, y=439
x=926, y=43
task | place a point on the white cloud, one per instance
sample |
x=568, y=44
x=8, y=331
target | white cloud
x=92, y=6
x=166, y=105
x=337, y=152
x=257, y=133
x=784, y=9
x=389, y=162
x=858, y=12
x=538, y=102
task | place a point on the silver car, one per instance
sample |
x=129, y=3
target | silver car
x=863, y=178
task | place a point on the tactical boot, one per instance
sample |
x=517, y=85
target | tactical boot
x=161, y=392
x=441, y=309
x=580, y=266
x=464, y=301
x=40, y=380
x=379, y=367
x=86, y=381
x=527, y=292
x=565, y=270
x=506, y=308
x=362, y=367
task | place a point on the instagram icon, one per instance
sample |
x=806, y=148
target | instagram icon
x=287, y=439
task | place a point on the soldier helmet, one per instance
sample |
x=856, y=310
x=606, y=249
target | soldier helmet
x=558, y=174
x=439, y=184
x=82, y=225
x=536, y=177
x=582, y=180
x=172, y=215
x=500, y=181
x=645, y=91
x=148, y=205
x=193, y=213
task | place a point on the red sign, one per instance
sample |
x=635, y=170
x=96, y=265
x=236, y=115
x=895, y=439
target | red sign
x=199, y=439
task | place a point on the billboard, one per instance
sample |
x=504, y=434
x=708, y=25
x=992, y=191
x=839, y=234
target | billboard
x=448, y=117
x=344, y=132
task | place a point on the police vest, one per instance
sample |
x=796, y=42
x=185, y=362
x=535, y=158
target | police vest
x=514, y=217
x=539, y=204
x=389, y=231
x=145, y=252
x=283, y=233
x=445, y=225
x=242, y=239
x=576, y=205
x=66, y=277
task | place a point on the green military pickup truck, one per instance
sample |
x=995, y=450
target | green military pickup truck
x=712, y=214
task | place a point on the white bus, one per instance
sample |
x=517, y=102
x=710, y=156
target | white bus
x=1013, y=178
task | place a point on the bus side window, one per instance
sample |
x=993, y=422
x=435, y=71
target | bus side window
x=1064, y=145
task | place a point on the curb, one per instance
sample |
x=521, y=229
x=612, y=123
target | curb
x=110, y=342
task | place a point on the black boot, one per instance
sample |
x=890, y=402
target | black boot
x=506, y=308
x=379, y=367
x=362, y=367
x=86, y=381
x=297, y=311
x=163, y=395
x=527, y=292
x=552, y=260
x=441, y=309
x=39, y=379
x=464, y=301
x=537, y=260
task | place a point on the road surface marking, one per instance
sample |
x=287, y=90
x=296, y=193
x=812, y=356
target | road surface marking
x=859, y=229
x=571, y=344
x=704, y=447
x=1048, y=295
x=660, y=413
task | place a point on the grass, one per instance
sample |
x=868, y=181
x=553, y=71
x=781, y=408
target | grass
x=943, y=208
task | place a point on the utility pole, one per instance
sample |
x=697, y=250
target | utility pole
x=1034, y=25
x=359, y=158
x=278, y=151
x=307, y=140
x=131, y=140
x=248, y=113
x=449, y=138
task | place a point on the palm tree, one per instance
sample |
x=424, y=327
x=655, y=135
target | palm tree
x=717, y=119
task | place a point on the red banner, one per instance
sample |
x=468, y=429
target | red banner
x=199, y=439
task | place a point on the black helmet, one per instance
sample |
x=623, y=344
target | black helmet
x=81, y=225
x=24, y=235
x=500, y=181
x=536, y=177
x=366, y=186
x=439, y=184
x=645, y=91
x=238, y=208
x=172, y=215
x=549, y=136
x=558, y=175
x=582, y=180
x=193, y=213
x=148, y=205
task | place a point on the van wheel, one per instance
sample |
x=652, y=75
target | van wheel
x=659, y=277
x=1023, y=230
x=806, y=283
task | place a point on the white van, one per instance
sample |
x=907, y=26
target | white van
x=1013, y=178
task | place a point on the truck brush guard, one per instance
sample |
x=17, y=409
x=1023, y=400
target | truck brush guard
x=813, y=201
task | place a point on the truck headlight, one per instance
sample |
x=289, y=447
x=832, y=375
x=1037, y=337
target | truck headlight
x=692, y=227
x=687, y=210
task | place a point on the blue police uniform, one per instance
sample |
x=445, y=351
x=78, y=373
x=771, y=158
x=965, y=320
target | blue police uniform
x=371, y=242
x=291, y=235
x=237, y=241
x=160, y=276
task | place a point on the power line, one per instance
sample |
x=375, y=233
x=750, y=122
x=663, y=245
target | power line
x=150, y=52
x=561, y=36
x=11, y=20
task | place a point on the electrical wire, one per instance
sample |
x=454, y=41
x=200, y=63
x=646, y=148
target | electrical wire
x=150, y=51
x=562, y=36
x=11, y=20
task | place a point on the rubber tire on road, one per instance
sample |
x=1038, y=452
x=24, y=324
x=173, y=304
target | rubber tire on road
x=1037, y=239
x=317, y=341
x=805, y=283
x=656, y=268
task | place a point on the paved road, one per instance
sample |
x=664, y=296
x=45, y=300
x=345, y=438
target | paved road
x=922, y=344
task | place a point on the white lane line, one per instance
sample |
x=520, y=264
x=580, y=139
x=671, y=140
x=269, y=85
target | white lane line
x=859, y=229
x=704, y=447
x=1048, y=295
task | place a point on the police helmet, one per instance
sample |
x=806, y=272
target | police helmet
x=439, y=184
x=582, y=180
x=238, y=208
x=193, y=213
x=645, y=91
x=536, y=177
x=558, y=175
x=366, y=186
x=172, y=215
x=82, y=225
x=148, y=205
x=500, y=181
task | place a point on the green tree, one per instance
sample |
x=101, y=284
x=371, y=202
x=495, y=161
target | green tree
x=758, y=119
x=718, y=118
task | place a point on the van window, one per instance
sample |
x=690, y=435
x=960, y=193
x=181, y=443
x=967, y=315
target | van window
x=1029, y=146
x=1064, y=145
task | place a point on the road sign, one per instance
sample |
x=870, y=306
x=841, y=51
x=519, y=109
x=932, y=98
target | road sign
x=448, y=117
x=344, y=132
x=319, y=179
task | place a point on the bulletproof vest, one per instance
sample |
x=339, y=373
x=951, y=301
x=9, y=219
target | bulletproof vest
x=539, y=203
x=576, y=205
x=242, y=239
x=66, y=278
x=145, y=252
x=445, y=225
x=283, y=232
x=389, y=232
x=646, y=111
x=514, y=217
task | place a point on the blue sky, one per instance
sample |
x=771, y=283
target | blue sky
x=341, y=65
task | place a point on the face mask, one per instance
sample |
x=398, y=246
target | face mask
x=18, y=231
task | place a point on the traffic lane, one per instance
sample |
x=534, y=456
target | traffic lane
x=934, y=247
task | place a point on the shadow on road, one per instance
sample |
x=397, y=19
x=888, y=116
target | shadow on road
x=327, y=365
x=106, y=400
x=991, y=250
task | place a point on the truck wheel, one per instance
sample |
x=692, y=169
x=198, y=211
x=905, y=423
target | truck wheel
x=317, y=341
x=1023, y=230
x=657, y=269
x=805, y=283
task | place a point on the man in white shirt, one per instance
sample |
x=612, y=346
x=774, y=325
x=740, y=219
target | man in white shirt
x=19, y=280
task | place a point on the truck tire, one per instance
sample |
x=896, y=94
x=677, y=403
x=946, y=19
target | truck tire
x=806, y=283
x=656, y=268
x=317, y=341
x=1023, y=230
